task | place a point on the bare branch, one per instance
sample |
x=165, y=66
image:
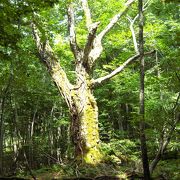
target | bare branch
x=132, y=21
x=72, y=34
x=177, y=102
x=119, y=69
x=40, y=45
x=168, y=137
x=87, y=13
x=116, y=71
x=115, y=19
x=36, y=37
x=150, y=52
x=133, y=32
x=146, y=4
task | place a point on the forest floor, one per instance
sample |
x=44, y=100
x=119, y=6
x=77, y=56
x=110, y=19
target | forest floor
x=167, y=170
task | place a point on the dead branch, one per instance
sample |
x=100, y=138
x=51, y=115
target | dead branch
x=87, y=13
x=72, y=33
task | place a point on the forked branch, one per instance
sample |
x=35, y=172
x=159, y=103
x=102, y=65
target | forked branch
x=133, y=32
x=90, y=40
x=132, y=21
x=97, y=45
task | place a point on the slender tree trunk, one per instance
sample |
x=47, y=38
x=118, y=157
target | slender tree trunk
x=165, y=139
x=31, y=148
x=15, y=140
x=3, y=99
x=1, y=135
x=141, y=98
x=156, y=160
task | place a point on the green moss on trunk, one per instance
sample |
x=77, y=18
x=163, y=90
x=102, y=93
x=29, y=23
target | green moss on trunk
x=87, y=140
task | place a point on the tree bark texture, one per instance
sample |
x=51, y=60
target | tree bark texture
x=84, y=126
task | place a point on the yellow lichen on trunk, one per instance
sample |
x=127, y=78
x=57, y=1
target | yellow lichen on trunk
x=89, y=130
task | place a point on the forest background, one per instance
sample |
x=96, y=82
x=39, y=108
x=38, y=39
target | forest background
x=35, y=126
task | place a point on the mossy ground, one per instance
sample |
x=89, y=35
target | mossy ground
x=73, y=171
x=123, y=162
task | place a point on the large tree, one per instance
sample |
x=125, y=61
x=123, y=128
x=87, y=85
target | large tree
x=79, y=96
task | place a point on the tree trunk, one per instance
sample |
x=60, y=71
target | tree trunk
x=84, y=114
x=141, y=97
x=84, y=130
